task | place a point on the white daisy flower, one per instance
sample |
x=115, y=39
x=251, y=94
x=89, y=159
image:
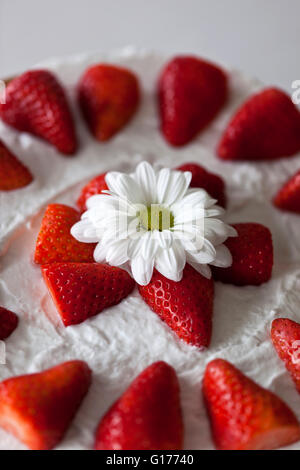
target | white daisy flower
x=152, y=219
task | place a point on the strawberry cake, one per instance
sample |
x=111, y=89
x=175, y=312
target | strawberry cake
x=151, y=339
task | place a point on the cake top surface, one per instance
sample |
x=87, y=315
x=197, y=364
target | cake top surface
x=126, y=338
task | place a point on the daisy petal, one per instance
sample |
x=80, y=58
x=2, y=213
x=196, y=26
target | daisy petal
x=85, y=232
x=171, y=262
x=142, y=270
x=136, y=246
x=94, y=200
x=117, y=253
x=149, y=246
x=223, y=257
x=215, y=211
x=146, y=179
x=172, y=185
x=202, y=269
x=195, y=197
x=125, y=187
x=163, y=239
x=217, y=231
x=106, y=204
x=232, y=231
x=206, y=255
x=100, y=253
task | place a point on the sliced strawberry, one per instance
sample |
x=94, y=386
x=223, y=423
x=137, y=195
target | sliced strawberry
x=252, y=255
x=266, y=127
x=212, y=183
x=13, y=174
x=8, y=323
x=55, y=242
x=288, y=198
x=191, y=92
x=109, y=97
x=147, y=416
x=186, y=306
x=243, y=415
x=95, y=186
x=82, y=290
x=36, y=103
x=285, y=336
x=38, y=408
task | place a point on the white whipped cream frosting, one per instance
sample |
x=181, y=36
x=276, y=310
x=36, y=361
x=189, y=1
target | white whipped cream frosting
x=120, y=342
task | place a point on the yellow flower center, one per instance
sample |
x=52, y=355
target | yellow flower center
x=156, y=217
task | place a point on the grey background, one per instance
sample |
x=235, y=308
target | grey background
x=260, y=37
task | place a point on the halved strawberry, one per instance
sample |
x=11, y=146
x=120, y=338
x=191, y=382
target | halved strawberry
x=95, y=186
x=82, y=290
x=252, y=256
x=288, y=197
x=55, y=242
x=13, y=174
x=186, y=306
x=8, y=323
x=147, y=416
x=285, y=336
x=38, y=408
x=201, y=178
x=243, y=415
x=108, y=97
x=36, y=103
x=266, y=127
x=191, y=91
